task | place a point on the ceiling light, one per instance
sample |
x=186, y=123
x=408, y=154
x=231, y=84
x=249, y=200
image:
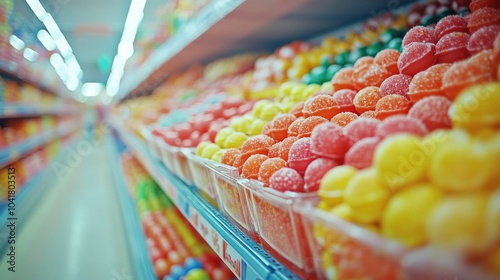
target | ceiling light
x=17, y=43
x=92, y=89
x=37, y=8
x=46, y=40
x=125, y=49
x=30, y=54
x=72, y=83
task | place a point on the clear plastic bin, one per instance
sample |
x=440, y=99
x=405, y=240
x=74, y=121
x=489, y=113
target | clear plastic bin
x=202, y=176
x=167, y=155
x=181, y=165
x=153, y=143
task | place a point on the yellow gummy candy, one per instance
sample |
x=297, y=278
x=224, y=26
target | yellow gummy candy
x=209, y=150
x=201, y=146
x=222, y=135
x=258, y=106
x=235, y=140
x=269, y=111
x=343, y=211
x=334, y=182
x=256, y=127
x=217, y=156
x=310, y=90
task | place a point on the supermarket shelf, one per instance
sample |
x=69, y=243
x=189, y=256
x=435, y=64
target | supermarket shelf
x=241, y=254
x=12, y=110
x=15, y=152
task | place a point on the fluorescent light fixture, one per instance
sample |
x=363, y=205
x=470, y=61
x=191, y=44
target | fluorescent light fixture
x=92, y=89
x=72, y=83
x=30, y=54
x=37, y=8
x=46, y=40
x=57, y=61
x=125, y=49
x=17, y=43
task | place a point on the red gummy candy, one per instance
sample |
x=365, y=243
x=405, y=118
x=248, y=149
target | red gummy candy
x=483, y=39
x=279, y=127
x=315, y=172
x=307, y=126
x=321, y=106
x=362, y=61
x=269, y=167
x=483, y=17
x=252, y=165
x=450, y=24
x=496, y=49
x=258, y=144
x=361, y=128
x=274, y=150
x=452, y=47
x=293, y=129
x=366, y=99
x=360, y=155
x=285, y=147
x=328, y=140
x=297, y=109
x=396, y=84
x=416, y=57
x=344, y=99
x=478, y=4
x=428, y=82
x=392, y=105
x=229, y=156
x=343, y=79
x=400, y=124
x=344, y=118
x=433, y=112
x=286, y=179
x=419, y=34
x=372, y=114
x=388, y=59
x=300, y=155
x=369, y=75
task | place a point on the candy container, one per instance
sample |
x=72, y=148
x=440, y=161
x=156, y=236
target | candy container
x=483, y=38
x=259, y=144
x=321, y=105
x=269, y=167
x=285, y=147
x=279, y=127
x=433, y=112
x=419, y=34
x=328, y=140
x=343, y=79
x=388, y=59
x=334, y=182
x=369, y=75
x=360, y=155
x=366, y=99
x=372, y=114
x=483, y=17
x=252, y=165
x=287, y=179
x=428, y=82
x=307, y=126
x=396, y=84
x=300, y=155
x=315, y=171
x=293, y=129
x=297, y=109
x=400, y=124
x=345, y=99
x=392, y=105
x=452, y=47
x=274, y=150
x=361, y=128
x=449, y=25
x=344, y=118
x=416, y=57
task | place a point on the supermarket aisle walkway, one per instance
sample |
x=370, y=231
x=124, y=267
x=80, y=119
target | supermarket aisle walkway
x=76, y=231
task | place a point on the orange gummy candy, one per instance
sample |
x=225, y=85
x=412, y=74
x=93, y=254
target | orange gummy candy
x=274, y=150
x=388, y=59
x=372, y=114
x=392, y=104
x=229, y=156
x=297, y=109
x=252, y=165
x=293, y=129
x=280, y=124
x=269, y=167
x=428, y=82
x=363, y=61
x=369, y=75
x=285, y=147
x=344, y=118
x=307, y=126
x=321, y=105
x=258, y=144
x=343, y=79
x=366, y=99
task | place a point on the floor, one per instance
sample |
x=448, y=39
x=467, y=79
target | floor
x=76, y=231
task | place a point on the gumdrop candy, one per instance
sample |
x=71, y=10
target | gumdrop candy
x=452, y=47
x=360, y=155
x=428, y=82
x=483, y=17
x=392, y=105
x=280, y=124
x=221, y=136
x=267, y=127
x=287, y=179
x=362, y=61
x=252, y=165
x=496, y=49
x=229, y=156
x=388, y=59
x=450, y=24
x=485, y=58
x=433, y=112
x=366, y=99
x=307, y=126
x=419, y=34
x=293, y=129
x=285, y=147
x=345, y=99
x=416, y=57
x=483, y=39
x=235, y=140
x=297, y=109
x=400, y=124
x=269, y=167
x=274, y=150
x=334, y=183
x=328, y=140
x=479, y=4
x=344, y=118
x=322, y=106
x=315, y=172
x=258, y=144
x=343, y=79
x=300, y=155
x=238, y=163
x=369, y=75
x=372, y=114
x=361, y=128
x=396, y=84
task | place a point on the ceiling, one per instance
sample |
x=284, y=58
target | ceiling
x=93, y=28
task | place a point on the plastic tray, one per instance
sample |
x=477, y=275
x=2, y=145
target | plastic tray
x=202, y=176
x=175, y=160
x=153, y=143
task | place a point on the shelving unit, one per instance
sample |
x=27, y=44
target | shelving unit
x=13, y=110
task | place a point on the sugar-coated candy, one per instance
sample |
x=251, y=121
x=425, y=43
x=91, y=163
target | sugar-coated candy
x=297, y=110
x=450, y=24
x=360, y=155
x=388, y=59
x=369, y=75
x=328, y=140
x=222, y=135
x=321, y=105
x=432, y=111
x=334, y=182
x=343, y=79
x=293, y=129
x=372, y=114
x=419, y=34
x=400, y=124
x=209, y=150
x=496, y=49
x=266, y=128
x=390, y=105
x=280, y=124
x=483, y=17
x=366, y=99
x=201, y=146
x=361, y=128
x=269, y=167
x=287, y=179
x=416, y=57
x=428, y=82
x=315, y=171
x=366, y=196
x=396, y=84
x=300, y=155
x=362, y=61
x=345, y=99
x=478, y=4
x=256, y=127
x=285, y=146
x=229, y=156
x=235, y=140
x=485, y=58
x=258, y=144
x=344, y=118
x=274, y=150
x=483, y=38
x=238, y=163
x=452, y=47
x=307, y=126
x=252, y=165
x=405, y=218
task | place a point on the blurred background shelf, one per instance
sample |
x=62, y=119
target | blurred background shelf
x=12, y=110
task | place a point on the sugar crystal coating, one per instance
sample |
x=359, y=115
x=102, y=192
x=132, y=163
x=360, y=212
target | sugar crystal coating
x=285, y=147
x=478, y=4
x=258, y=144
x=419, y=34
x=229, y=156
x=416, y=57
x=297, y=109
x=344, y=118
x=483, y=38
x=372, y=114
x=252, y=165
x=369, y=75
x=287, y=179
x=400, y=124
x=483, y=17
x=307, y=126
x=345, y=99
x=321, y=105
x=362, y=61
x=428, y=82
x=388, y=59
x=280, y=124
x=449, y=24
x=392, y=105
x=366, y=99
x=496, y=49
x=274, y=150
x=396, y=84
x=452, y=47
x=328, y=140
x=360, y=155
x=343, y=79
x=361, y=128
x=300, y=155
x=269, y=167
x=293, y=129
x=433, y=112
x=315, y=172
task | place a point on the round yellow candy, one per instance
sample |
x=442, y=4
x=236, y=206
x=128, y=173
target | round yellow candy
x=236, y=124
x=256, y=127
x=296, y=93
x=235, y=140
x=246, y=122
x=343, y=211
x=325, y=205
x=310, y=90
x=269, y=111
x=218, y=155
x=258, y=106
x=209, y=150
x=284, y=89
x=493, y=215
x=407, y=213
x=222, y=135
x=201, y=146
x=327, y=86
x=440, y=138
x=334, y=182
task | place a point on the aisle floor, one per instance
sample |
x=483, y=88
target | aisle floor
x=77, y=230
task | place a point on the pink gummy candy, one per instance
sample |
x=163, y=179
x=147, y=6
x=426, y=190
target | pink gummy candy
x=419, y=34
x=400, y=124
x=315, y=172
x=361, y=128
x=344, y=99
x=450, y=24
x=416, y=57
x=483, y=39
x=396, y=84
x=300, y=155
x=287, y=179
x=452, y=47
x=360, y=155
x=328, y=140
x=432, y=111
